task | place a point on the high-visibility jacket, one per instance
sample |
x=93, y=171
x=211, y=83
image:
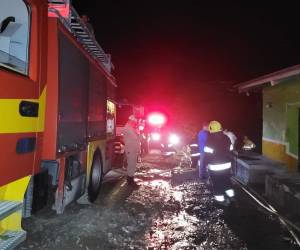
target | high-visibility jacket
x=131, y=138
x=218, y=148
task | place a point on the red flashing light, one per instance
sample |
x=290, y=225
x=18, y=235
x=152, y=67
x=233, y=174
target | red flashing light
x=63, y=10
x=174, y=139
x=157, y=119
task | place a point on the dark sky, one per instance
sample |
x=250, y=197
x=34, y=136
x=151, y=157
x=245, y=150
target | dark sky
x=188, y=51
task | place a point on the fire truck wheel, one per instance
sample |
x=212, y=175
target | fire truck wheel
x=95, y=177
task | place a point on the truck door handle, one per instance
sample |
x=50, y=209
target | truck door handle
x=29, y=109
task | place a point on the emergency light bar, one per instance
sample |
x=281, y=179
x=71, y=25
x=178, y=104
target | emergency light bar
x=62, y=6
x=157, y=119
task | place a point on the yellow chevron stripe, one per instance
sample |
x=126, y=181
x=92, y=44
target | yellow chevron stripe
x=12, y=122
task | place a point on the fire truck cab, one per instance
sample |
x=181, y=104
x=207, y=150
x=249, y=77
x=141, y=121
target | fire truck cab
x=57, y=111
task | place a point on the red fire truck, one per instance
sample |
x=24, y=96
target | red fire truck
x=57, y=107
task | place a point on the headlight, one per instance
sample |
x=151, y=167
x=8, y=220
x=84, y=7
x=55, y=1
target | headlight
x=155, y=136
x=174, y=139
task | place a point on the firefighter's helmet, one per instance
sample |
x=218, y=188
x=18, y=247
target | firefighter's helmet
x=214, y=127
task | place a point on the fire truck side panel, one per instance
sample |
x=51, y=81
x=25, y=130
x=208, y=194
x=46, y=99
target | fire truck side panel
x=14, y=166
x=111, y=91
x=97, y=104
x=96, y=116
x=77, y=90
x=73, y=83
x=38, y=41
x=50, y=134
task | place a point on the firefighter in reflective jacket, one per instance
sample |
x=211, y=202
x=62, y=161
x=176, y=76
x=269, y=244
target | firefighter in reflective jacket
x=132, y=147
x=218, y=146
x=218, y=154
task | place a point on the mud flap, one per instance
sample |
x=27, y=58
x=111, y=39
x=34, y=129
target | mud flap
x=71, y=192
x=84, y=199
x=28, y=197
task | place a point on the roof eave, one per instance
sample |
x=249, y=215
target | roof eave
x=273, y=79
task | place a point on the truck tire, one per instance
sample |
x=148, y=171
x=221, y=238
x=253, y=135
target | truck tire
x=95, y=177
x=28, y=197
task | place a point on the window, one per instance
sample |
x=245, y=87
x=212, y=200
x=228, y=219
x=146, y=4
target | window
x=111, y=113
x=14, y=35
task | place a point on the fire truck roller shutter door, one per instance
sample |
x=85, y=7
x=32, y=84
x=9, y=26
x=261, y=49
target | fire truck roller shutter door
x=73, y=95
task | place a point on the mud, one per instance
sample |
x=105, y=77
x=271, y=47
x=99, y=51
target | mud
x=160, y=214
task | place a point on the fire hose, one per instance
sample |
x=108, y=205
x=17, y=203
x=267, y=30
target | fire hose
x=263, y=203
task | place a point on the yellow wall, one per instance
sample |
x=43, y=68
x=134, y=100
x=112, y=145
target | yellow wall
x=277, y=152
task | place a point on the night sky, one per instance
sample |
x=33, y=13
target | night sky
x=190, y=53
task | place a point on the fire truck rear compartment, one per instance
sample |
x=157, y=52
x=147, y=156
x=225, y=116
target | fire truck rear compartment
x=73, y=71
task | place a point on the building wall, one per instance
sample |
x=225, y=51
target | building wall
x=281, y=105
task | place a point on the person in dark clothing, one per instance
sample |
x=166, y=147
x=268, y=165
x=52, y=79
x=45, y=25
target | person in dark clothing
x=218, y=146
x=218, y=158
x=202, y=137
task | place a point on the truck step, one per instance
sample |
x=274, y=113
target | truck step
x=9, y=207
x=11, y=239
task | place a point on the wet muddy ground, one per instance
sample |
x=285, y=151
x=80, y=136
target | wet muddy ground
x=160, y=214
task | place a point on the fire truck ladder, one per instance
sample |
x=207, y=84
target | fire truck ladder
x=83, y=35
